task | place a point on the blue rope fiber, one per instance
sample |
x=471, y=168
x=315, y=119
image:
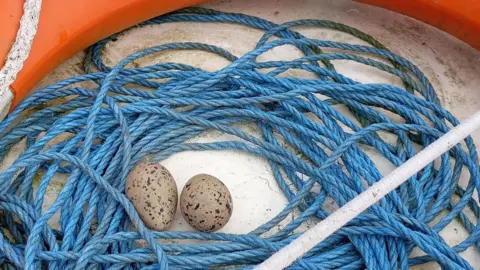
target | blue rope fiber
x=130, y=114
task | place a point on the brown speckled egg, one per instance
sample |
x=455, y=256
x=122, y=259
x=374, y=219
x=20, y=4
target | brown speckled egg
x=206, y=203
x=153, y=191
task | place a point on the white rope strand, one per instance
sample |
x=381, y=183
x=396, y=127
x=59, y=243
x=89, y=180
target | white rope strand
x=19, y=51
x=288, y=254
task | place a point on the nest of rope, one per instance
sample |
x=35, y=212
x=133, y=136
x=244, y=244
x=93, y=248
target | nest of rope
x=152, y=111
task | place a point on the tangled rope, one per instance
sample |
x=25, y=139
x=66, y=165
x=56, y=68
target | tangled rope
x=131, y=114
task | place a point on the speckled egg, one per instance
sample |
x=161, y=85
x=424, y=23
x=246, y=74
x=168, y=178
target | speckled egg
x=153, y=191
x=206, y=203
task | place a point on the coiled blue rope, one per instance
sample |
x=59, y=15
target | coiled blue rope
x=117, y=123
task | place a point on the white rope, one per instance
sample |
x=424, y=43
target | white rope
x=288, y=254
x=19, y=51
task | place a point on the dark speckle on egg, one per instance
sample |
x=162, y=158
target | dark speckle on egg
x=151, y=187
x=203, y=201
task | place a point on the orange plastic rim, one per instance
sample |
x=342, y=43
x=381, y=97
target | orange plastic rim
x=67, y=27
x=460, y=18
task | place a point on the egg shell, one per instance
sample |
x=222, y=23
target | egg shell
x=206, y=203
x=153, y=191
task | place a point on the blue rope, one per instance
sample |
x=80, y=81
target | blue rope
x=116, y=123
